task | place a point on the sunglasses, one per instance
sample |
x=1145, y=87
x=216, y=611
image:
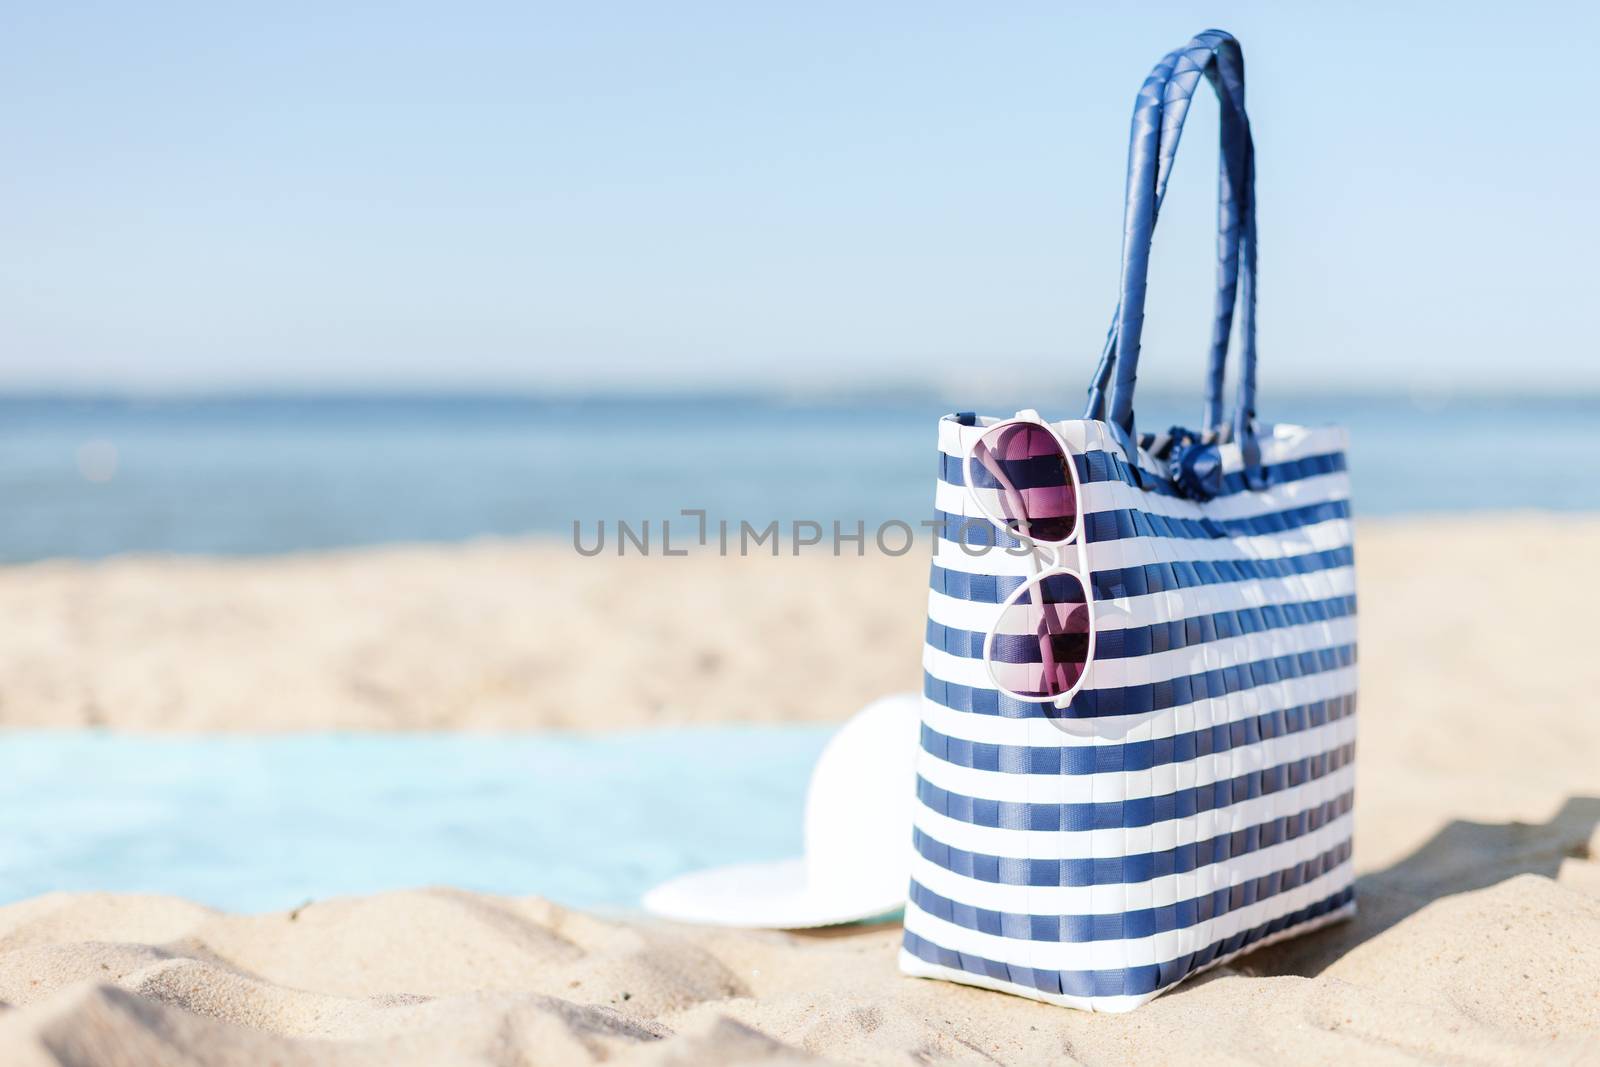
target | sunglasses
x=1021, y=476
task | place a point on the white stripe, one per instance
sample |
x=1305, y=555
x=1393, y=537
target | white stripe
x=1281, y=443
x=983, y=558
x=1162, y=780
x=918, y=967
x=1044, y=732
x=1121, y=613
x=1157, y=893
x=1118, y=496
x=1142, y=551
x=1133, y=840
x=1164, y=666
x=1131, y=952
x=1079, y=434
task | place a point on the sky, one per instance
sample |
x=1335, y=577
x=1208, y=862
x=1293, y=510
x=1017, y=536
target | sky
x=479, y=196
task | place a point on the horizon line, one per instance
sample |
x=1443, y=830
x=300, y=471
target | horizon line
x=773, y=394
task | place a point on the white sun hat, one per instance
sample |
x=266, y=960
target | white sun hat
x=857, y=838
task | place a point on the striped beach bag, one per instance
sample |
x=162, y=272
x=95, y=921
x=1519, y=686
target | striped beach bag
x=1138, y=722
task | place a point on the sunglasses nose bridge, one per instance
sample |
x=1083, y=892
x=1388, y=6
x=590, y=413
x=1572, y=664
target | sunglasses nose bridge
x=1051, y=557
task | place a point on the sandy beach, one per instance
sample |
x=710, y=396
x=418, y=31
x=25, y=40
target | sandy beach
x=1478, y=802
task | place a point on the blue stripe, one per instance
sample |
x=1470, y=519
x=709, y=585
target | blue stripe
x=1120, y=981
x=1134, y=811
x=1135, y=755
x=1156, y=637
x=1101, y=466
x=1144, y=698
x=1145, y=578
x=1132, y=869
x=1095, y=465
x=1033, y=472
x=1141, y=922
x=1119, y=524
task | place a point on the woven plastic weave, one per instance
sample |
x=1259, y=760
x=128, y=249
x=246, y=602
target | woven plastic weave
x=1194, y=800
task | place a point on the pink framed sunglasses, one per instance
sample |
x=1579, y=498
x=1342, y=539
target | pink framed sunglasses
x=1021, y=476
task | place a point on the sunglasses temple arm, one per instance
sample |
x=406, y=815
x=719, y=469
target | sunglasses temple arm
x=1086, y=582
x=1045, y=632
x=1018, y=506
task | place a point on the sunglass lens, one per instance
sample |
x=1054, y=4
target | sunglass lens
x=1021, y=477
x=1040, y=645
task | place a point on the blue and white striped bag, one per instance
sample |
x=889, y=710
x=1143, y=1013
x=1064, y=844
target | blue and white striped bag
x=1193, y=799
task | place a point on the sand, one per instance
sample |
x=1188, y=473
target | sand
x=1478, y=803
x=486, y=636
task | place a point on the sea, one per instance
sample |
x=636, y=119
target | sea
x=255, y=823
x=92, y=477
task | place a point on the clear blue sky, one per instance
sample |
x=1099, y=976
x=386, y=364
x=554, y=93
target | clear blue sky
x=200, y=196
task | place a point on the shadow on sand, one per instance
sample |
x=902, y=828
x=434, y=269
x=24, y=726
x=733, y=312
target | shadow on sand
x=1458, y=859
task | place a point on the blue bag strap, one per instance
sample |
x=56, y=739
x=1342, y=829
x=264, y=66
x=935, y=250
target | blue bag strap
x=1159, y=112
x=1226, y=74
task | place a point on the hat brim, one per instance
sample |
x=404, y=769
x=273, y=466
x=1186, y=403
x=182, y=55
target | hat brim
x=768, y=896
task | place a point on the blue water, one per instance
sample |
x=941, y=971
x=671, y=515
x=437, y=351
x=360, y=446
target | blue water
x=260, y=823
x=274, y=474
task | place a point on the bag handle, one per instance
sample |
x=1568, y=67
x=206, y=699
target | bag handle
x=1226, y=75
x=1159, y=113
